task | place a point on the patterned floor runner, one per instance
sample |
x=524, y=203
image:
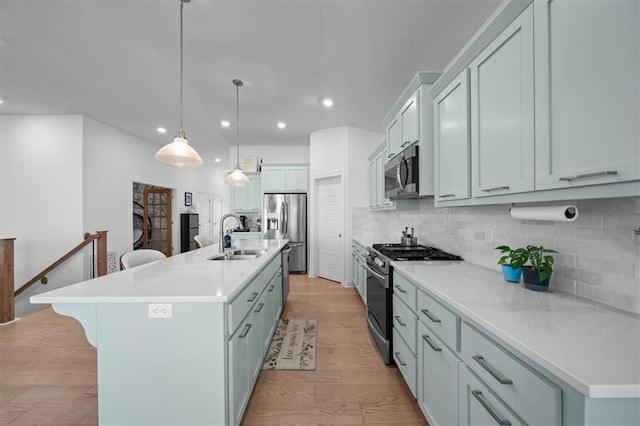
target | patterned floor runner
x=293, y=346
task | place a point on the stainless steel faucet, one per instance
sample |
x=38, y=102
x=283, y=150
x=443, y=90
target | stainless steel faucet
x=221, y=242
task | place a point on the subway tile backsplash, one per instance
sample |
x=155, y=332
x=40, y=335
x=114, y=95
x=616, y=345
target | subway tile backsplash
x=598, y=254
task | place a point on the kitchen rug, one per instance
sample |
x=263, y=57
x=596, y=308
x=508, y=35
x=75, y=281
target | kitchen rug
x=293, y=346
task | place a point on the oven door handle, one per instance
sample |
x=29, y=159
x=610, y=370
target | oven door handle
x=382, y=277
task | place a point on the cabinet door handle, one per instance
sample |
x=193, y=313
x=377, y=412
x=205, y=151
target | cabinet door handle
x=397, y=317
x=589, y=175
x=430, y=343
x=405, y=143
x=260, y=306
x=430, y=315
x=246, y=331
x=400, y=289
x=499, y=377
x=478, y=395
x=497, y=188
x=446, y=195
x=402, y=363
x=270, y=289
x=391, y=154
x=253, y=297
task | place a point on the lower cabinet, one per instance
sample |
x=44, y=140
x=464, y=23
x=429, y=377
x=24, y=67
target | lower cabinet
x=479, y=406
x=437, y=379
x=250, y=341
x=358, y=253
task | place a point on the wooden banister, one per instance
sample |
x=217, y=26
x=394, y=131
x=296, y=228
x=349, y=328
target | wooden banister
x=7, y=306
x=100, y=236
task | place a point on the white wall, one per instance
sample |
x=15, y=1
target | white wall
x=341, y=150
x=270, y=154
x=64, y=175
x=41, y=197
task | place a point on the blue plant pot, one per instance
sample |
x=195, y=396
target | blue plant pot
x=510, y=274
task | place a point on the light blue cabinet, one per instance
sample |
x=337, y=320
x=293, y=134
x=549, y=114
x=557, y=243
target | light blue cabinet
x=502, y=133
x=358, y=253
x=452, y=141
x=587, y=92
x=394, y=139
x=285, y=178
x=247, y=198
x=437, y=379
x=410, y=121
x=239, y=370
x=377, y=160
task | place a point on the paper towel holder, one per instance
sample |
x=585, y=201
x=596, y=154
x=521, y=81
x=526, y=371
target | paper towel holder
x=561, y=213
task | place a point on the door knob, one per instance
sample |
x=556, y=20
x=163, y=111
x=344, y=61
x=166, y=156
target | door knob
x=339, y=235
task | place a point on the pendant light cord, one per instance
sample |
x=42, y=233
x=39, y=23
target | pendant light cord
x=238, y=125
x=181, y=131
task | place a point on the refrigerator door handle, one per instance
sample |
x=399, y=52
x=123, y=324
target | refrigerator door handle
x=285, y=224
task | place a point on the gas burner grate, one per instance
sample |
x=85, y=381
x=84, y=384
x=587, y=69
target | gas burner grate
x=418, y=252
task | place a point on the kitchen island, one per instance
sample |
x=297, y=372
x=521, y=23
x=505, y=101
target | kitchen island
x=180, y=340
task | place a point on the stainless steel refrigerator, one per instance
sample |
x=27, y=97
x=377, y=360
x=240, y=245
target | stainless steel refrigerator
x=285, y=216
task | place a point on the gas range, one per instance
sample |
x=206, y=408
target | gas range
x=417, y=252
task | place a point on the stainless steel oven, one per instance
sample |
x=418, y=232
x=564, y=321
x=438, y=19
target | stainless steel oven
x=380, y=287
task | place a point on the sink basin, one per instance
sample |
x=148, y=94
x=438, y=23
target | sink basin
x=240, y=254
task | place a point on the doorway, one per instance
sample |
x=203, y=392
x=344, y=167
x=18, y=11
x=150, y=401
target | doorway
x=330, y=227
x=215, y=219
x=204, y=214
x=152, y=217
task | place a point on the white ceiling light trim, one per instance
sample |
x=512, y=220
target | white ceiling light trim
x=161, y=130
x=327, y=102
x=236, y=177
x=178, y=153
x=225, y=123
x=282, y=125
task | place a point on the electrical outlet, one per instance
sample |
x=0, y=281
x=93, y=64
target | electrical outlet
x=488, y=235
x=160, y=310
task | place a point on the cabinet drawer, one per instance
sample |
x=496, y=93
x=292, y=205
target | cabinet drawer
x=405, y=322
x=444, y=323
x=405, y=290
x=238, y=308
x=406, y=361
x=530, y=395
x=270, y=270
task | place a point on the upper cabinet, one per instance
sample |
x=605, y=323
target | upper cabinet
x=377, y=160
x=587, y=92
x=553, y=106
x=285, y=178
x=452, y=141
x=502, y=112
x=248, y=198
x=410, y=120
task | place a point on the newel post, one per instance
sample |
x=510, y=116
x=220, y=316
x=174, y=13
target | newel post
x=7, y=305
x=102, y=253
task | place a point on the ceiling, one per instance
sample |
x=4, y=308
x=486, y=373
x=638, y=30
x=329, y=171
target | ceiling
x=118, y=62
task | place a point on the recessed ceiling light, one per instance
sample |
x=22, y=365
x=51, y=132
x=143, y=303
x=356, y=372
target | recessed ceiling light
x=225, y=123
x=281, y=125
x=217, y=160
x=161, y=130
x=1, y=101
x=327, y=102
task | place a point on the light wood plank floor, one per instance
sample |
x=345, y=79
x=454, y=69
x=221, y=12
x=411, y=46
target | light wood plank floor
x=48, y=370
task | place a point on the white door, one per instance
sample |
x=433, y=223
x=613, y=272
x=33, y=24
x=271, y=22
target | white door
x=215, y=218
x=331, y=262
x=204, y=214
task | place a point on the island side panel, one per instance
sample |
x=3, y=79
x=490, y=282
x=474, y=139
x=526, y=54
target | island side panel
x=161, y=371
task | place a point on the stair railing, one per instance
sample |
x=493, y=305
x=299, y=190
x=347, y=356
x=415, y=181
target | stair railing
x=7, y=295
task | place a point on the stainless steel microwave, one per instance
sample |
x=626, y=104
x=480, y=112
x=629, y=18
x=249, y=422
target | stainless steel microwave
x=402, y=174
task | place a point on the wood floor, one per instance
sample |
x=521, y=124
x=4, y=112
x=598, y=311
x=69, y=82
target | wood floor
x=48, y=370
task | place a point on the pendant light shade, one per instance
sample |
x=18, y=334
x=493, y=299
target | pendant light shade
x=236, y=177
x=178, y=153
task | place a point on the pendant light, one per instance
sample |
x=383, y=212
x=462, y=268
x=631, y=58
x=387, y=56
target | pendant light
x=178, y=153
x=236, y=177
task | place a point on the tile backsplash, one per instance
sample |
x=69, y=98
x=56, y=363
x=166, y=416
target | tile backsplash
x=598, y=254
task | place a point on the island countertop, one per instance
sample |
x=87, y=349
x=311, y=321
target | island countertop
x=593, y=348
x=186, y=277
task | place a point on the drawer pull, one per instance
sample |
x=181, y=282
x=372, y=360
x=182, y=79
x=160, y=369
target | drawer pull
x=485, y=404
x=446, y=195
x=391, y=154
x=497, y=188
x=400, y=289
x=430, y=315
x=484, y=364
x=589, y=175
x=246, y=331
x=405, y=143
x=397, y=317
x=253, y=297
x=402, y=363
x=430, y=343
x=270, y=289
x=260, y=306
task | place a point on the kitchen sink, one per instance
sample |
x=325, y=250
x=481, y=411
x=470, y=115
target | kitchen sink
x=239, y=254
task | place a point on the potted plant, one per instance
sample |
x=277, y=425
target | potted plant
x=512, y=262
x=536, y=276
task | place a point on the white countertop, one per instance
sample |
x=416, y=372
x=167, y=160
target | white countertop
x=186, y=277
x=593, y=348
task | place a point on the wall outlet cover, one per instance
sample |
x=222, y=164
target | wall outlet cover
x=160, y=310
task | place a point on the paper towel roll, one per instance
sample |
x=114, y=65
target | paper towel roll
x=557, y=213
